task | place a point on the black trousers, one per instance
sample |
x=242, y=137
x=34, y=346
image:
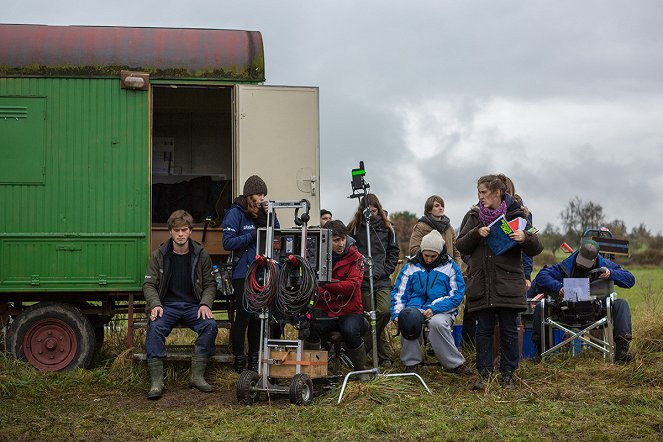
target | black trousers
x=246, y=324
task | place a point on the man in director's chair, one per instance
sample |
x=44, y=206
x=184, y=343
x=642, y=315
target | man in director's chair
x=585, y=315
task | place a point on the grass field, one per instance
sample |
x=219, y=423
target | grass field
x=564, y=398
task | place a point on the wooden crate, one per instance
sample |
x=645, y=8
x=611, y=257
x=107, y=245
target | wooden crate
x=282, y=364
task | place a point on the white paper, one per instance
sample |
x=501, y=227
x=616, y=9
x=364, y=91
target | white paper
x=576, y=289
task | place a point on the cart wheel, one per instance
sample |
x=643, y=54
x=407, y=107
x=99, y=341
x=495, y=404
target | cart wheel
x=52, y=336
x=301, y=390
x=246, y=387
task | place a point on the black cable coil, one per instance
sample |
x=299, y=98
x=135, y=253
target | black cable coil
x=296, y=290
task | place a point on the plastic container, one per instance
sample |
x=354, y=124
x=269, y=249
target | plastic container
x=217, y=277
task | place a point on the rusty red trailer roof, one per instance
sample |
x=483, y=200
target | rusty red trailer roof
x=90, y=51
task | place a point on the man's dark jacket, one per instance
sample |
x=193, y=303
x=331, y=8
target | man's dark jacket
x=158, y=273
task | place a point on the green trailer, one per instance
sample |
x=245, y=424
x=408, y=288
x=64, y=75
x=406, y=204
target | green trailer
x=103, y=132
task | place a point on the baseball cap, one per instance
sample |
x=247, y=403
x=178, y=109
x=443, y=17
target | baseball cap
x=586, y=257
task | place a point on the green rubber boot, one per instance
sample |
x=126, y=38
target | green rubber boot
x=198, y=366
x=358, y=358
x=155, y=367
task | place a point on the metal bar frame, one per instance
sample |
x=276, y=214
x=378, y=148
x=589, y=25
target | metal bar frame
x=264, y=353
x=606, y=345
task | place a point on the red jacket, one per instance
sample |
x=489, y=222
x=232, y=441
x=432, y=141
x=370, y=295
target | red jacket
x=344, y=295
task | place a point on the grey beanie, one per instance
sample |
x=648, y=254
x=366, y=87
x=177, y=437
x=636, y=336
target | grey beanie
x=433, y=242
x=254, y=185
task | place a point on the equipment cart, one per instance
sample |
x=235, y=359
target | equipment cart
x=287, y=288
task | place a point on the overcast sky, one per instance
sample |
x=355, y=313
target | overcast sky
x=565, y=97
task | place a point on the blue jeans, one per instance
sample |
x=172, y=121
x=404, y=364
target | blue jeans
x=352, y=326
x=509, y=348
x=184, y=313
x=621, y=317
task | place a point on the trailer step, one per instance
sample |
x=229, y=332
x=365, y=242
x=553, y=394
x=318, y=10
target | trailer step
x=221, y=323
x=183, y=357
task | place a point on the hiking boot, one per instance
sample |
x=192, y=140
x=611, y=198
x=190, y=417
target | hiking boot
x=198, y=366
x=462, y=369
x=411, y=368
x=358, y=358
x=483, y=381
x=155, y=367
x=508, y=383
x=537, y=351
x=308, y=345
x=622, y=356
x=254, y=362
x=239, y=363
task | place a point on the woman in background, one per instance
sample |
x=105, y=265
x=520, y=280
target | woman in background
x=385, y=254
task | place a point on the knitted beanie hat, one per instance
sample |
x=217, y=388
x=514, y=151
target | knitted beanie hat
x=254, y=185
x=433, y=242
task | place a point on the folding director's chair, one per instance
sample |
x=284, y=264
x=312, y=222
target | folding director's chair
x=588, y=321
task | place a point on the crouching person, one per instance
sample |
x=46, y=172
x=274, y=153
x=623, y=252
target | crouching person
x=341, y=299
x=179, y=287
x=429, y=289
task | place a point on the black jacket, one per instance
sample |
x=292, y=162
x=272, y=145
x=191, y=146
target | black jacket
x=494, y=281
x=384, y=251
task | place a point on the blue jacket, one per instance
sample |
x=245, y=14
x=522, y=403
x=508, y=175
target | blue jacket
x=440, y=289
x=239, y=235
x=551, y=278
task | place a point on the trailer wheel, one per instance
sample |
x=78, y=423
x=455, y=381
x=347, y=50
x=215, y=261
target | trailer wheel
x=52, y=336
x=301, y=389
x=246, y=390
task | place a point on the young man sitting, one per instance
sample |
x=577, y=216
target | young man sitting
x=179, y=287
x=429, y=289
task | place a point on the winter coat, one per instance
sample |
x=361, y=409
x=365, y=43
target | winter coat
x=440, y=289
x=551, y=278
x=343, y=296
x=158, y=273
x=239, y=236
x=384, y=251
x=422, y=229
x=495, y=281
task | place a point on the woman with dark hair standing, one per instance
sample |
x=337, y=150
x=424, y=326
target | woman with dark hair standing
x=385, y=254
x=468, y=338
x=240, y=229
x=495, y=284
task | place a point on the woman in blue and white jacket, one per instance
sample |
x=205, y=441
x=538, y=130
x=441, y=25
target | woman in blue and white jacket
x=429, y=289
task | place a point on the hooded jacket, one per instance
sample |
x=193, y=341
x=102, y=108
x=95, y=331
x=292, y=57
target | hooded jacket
x=239, y=235
x=495, y=281
x=343, y=296
x=384, y=251
x=440, y=288
x=551, y=279
x=158, y=273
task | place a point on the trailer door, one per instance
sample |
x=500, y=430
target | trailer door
x=278, y=138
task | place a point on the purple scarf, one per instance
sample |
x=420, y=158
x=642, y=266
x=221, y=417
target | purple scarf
x=488, y=215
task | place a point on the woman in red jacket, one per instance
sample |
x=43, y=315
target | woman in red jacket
x=341, y=299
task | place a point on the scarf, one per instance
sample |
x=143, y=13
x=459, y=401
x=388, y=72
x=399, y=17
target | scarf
x=488, y=215
x=439, y=225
